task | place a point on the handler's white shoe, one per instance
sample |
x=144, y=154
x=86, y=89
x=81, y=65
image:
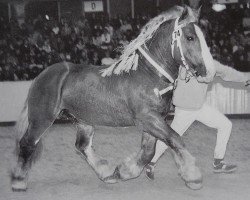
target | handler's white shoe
x=224, y=168
x=150, y=171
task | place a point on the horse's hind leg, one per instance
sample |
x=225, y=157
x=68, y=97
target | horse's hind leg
x=41, y=109
x=29, y=149
x=83, y=144
x=133, y=165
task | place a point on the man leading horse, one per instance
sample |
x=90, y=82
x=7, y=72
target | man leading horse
x=189, y=100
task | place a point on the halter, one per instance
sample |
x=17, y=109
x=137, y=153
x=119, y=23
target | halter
x=176, y=37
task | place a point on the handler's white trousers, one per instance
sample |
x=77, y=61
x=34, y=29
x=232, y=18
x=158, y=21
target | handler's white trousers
x=207, y=115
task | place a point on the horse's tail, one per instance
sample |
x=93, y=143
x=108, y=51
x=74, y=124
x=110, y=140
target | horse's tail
x=22, y=123
x=21, y=128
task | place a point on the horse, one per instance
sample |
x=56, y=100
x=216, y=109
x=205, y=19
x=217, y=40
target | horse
x=134, y=91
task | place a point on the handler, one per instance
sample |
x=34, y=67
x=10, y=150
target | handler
x=189, y=100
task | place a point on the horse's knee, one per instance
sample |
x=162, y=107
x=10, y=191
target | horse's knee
x=83, y=137
x=81, y=141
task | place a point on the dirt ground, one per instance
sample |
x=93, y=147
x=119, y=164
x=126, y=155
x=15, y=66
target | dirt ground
x=61, y=174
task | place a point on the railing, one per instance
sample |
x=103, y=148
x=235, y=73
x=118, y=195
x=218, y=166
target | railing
x=228, y=97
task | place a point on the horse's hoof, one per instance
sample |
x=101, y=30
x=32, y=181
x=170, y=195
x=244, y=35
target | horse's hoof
x=194, y=185
x=110, y=180
x=114, y=177
x=19, y=185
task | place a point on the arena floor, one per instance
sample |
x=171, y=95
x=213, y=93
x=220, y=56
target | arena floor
x=61, y=174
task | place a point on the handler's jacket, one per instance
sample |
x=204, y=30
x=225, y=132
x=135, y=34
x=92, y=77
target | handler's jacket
x=191, y=95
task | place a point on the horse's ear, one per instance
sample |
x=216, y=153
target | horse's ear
x=198, y=12
x=184, y=14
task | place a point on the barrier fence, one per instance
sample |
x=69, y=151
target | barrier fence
x=229, y=98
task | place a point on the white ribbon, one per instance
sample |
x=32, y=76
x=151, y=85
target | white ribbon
x=160, y=69
x=156, y=65
x=176, y=37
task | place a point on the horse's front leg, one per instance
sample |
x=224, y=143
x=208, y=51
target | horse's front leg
x=83, y=144
x=132, y=166
x=155, y=125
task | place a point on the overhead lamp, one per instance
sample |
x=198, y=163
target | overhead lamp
x=218, y=7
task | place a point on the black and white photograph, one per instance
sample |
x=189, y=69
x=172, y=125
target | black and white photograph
x=124, y=99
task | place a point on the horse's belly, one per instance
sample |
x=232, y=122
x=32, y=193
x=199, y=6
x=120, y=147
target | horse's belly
x=96, y=112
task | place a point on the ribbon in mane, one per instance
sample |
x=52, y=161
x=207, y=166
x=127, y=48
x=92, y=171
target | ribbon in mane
x=129, y=58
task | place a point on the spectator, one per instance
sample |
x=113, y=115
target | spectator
x=97, y=39
x=40, y=43
x=126, y=27
x=46, y=46
x=80, y=45
x=109, y=28
x=55, y=29
x=95, y=60
x=66, y=30
x=123, y=41
x=105, y=39
x=107, y=60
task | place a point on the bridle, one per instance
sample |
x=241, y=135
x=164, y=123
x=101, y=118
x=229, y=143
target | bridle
x=176, y=38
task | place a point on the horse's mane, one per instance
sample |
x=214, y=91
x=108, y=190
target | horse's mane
x=129, y=58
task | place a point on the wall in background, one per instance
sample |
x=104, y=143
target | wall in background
x=12, y=98
x=120, y=7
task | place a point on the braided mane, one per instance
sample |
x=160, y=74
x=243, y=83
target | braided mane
x=129, y=58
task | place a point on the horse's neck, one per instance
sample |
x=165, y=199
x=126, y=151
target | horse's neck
x=162, y=56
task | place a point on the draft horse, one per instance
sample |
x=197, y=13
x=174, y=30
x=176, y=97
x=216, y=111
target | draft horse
x=128, y=93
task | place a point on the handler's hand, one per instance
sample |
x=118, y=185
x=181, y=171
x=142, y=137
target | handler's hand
x=207, y=79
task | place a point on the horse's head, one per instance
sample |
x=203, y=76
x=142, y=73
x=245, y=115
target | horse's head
x=173, y=38
x=189, y=47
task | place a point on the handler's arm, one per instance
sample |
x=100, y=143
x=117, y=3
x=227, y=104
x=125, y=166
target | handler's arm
x=229, y=74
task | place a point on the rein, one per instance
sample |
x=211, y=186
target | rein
x=176, y=37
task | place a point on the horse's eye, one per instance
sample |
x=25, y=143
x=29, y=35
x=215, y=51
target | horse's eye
x=189, y=38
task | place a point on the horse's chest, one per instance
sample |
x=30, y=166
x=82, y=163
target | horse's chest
x=154, y=101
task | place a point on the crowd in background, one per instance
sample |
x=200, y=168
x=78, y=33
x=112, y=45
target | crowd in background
x=228, y=36
x=29, y=48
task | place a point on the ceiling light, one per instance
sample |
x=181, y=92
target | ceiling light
x=218, y=7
